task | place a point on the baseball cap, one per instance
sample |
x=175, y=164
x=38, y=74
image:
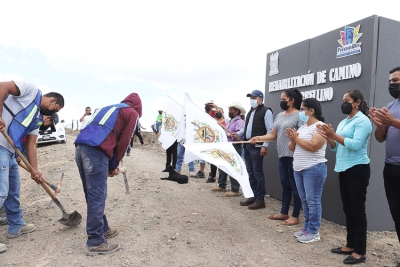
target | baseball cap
x=256, y=93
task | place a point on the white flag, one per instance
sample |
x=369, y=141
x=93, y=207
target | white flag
x=171, y=122
x=225, y=157
x=201, y=127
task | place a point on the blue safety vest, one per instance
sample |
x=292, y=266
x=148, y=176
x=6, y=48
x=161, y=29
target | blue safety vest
x=25, y=121
x=100, y=125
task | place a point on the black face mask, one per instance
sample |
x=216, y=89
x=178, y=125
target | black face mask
x=47, y=112
x=394, y=90
x=218, y=115
x=346, y=108
x=231, y=115
x=284, y=105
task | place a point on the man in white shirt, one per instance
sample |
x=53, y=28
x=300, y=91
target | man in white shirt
x=22, y=107
x=85, y=118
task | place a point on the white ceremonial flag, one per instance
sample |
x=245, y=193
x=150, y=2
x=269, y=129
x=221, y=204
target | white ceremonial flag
x=224, y=156
x=207, y=140
x=201, y=127
x=171, y=122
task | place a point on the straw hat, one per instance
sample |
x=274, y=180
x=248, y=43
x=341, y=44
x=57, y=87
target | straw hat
x=211, y=103
x=237, y=105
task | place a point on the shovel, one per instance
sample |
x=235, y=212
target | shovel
x=68, y=219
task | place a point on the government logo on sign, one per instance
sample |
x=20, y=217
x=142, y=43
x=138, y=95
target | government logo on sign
x=348, y=42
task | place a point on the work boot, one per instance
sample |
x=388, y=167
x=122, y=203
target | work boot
x=105, y=248
x=232, y=194
x=111, y=233
x=218, y=189
x=3, y=247
x=257, y=205
x=248, y=201
x=27, y=228
x=3, y=221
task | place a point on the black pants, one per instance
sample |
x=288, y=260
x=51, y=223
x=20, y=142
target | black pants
x=140, y=137
x=391, y=177
x=213, y=171
x=353, y=184
x=172, y=151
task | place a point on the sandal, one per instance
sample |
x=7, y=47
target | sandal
x=278, y=217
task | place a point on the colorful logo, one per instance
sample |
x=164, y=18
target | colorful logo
x=204, y=133
x=227, y=157
x=170, y=124
x=348, y=42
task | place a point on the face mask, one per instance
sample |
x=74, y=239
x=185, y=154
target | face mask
x=394, y=90
x=47, y=112
x=231, y=115
x=218, y=115
x=346, y=108
x=303, y=117
x=253, y=103
x=213, y=113
x=284, y=105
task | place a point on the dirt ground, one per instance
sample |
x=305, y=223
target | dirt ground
x=163, y=223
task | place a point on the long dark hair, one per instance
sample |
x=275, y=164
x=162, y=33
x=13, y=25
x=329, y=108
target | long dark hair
x=355, y=95
x=316, y=106
x=296, y=95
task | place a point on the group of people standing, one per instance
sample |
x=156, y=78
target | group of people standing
x=302, y=137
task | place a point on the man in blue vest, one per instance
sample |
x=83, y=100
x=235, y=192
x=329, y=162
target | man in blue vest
x=21, y=108
x=100, y=146
x=259, y=121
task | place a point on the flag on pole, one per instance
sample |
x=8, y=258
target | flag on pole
x=207, y=140
x=171, y=122
x=225, y=157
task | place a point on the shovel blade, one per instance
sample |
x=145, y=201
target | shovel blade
x=72, y=219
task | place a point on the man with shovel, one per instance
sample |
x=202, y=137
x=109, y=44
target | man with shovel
x=100, y=146
x=21, y=108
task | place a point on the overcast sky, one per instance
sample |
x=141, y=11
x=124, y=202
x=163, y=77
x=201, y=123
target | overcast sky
x=97, y=52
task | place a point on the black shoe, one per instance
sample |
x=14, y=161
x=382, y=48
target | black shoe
x=340, y=251
x=200, y=175
x=210, y=180
x=247, y=202
x=257, y=205
x=351, y=260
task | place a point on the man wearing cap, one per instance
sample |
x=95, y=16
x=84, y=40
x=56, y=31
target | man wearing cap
x=210, y=108
x=234, y=126
x=259, y=120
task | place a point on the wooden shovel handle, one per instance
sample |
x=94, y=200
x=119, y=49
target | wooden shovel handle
x=29, y=166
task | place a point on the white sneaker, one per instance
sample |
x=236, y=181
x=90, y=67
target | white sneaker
x=191, y=174
x=308, y=238
x=3, y=247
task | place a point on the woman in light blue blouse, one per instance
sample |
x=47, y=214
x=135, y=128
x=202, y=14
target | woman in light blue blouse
x=350, y=143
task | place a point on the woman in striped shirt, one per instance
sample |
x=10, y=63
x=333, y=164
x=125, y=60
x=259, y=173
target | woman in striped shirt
x=309, y=164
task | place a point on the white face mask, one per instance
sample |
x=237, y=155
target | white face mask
x=253, y=103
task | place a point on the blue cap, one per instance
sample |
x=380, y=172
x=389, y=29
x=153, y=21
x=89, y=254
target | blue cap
x=256, y=93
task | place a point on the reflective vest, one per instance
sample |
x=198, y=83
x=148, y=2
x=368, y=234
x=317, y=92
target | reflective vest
x=100, y=125
x=25, y=121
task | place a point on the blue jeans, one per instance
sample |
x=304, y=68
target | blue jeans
x=179, y=162
x=10, y=185
x=310, y=183
x=254, y=166
x=156, y=127
x=93, y=168
x=288, y=187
